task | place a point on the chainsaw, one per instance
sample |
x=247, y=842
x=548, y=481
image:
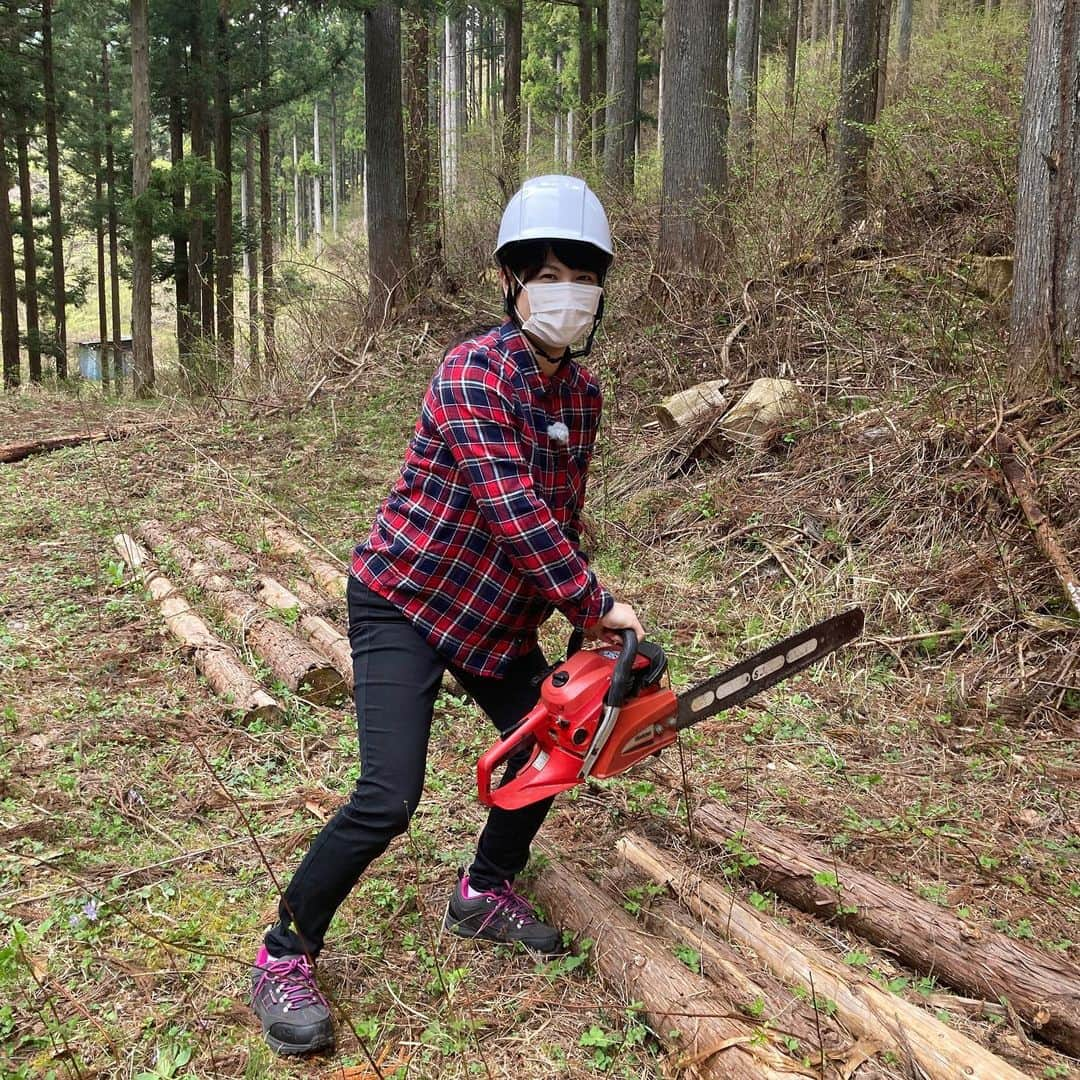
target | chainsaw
x=601, y=711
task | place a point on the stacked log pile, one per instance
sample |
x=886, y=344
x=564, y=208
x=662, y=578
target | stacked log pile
x=808, y=1012
x=314, y=663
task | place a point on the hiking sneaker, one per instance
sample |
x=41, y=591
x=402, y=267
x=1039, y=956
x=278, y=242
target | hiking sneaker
x=295, y=1016
x=499, y=914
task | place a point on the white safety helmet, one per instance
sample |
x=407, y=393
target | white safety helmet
x=555, y=208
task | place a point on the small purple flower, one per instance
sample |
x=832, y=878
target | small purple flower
x=90, y=910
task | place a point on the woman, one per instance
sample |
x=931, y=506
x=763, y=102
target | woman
x=476, y=545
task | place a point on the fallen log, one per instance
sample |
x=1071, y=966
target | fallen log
x=864, y=1008
x=12, y=452
x=687, y=406
x=1024, y=489
x=1043, y=990
x=295, y=663
x=321, y=633
x=214, y=660
x=282, y=542
x=720, y=1044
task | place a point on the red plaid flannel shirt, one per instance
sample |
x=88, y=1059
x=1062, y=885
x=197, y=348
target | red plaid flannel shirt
x=477, y=542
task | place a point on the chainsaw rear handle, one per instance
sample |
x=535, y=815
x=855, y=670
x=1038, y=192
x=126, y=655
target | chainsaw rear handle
x=624, y=666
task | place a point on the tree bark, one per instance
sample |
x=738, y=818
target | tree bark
x=676, y=999
x=903, y=40
x=223, y=221
x=792, y=56
x=251, y=256
x=884, y=32
x=863, y=1007
x=335, y=183
x=56, y=210
x=744, y=82
x=316, y=181
x=19, y=451
x=694, y=165
x=1045, y=319
x=510, y=173
x=1043, y=989
x=328, y=577
x=114, y=230
x=214, y=660
x=142, y=230
x=9, y=297
x=200, y=254
x=599, y=124
x=858, y=98
x=460, y=97
x=99, y=252
x=297, y=665
x=185, y=329
x=29, y=245
x=586, y=103
x=388, y=234
x=622, y=94
x=420, y=185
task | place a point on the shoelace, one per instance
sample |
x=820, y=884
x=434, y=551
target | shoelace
x=510, y=903
x=293, y=979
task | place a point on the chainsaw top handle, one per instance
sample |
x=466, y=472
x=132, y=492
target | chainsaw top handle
x=621, y=676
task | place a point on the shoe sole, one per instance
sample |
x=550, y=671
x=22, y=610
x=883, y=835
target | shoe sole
x=459, y=929
x=287, y=1049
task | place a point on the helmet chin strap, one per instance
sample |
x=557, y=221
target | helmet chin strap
x=570, y=354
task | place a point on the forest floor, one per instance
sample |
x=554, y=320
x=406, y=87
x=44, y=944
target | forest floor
x=941, y=752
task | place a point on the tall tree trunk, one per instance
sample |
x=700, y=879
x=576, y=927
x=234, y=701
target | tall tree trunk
x=29, y=244
x=223, y=230
x=200, y=252
x=884, y=31
x=56, y=210
x=419, y=181
x=510, y=177
x=142, y=231
x=266, y=230
x=599, y=124
x=558, y=119
x=1045, y=322
x=298, y=223
x=99, y=251
x=9, y=296
x=834, y=29
x=251, y=256
x=461, y=112
x=623, y=16
x=335, y=185
x=903, y=41
x=694, y=167
x=585, y=83
x=316, y=182
x=114, y=230
x=792, y=54
x=181, y=271
x=388, y=234
x=858, y=99
x=744, y=82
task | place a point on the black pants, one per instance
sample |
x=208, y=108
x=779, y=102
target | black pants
x=397, y=678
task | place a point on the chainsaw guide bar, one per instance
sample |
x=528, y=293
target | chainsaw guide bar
x=601, y=711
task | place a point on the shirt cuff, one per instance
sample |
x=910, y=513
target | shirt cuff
x=589, y=611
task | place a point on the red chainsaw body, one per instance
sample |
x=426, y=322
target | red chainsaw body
x=562, y=725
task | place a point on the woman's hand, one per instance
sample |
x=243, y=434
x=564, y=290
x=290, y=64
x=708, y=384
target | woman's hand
x=620, y=617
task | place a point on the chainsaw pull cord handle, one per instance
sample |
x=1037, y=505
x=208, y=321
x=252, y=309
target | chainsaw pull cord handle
x=613, y=700
x=624, y=666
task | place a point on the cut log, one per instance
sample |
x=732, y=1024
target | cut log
x=766, y=404
x=321, y=633
x=295, y=663
x=11, y=452
x=691, y=404
x=1024, y=490
x=1044, y=990
x=720, y=1045
x=864, y=1008
x=282, y=542
x=214, y=660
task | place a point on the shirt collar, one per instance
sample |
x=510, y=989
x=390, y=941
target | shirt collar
x=514, y=342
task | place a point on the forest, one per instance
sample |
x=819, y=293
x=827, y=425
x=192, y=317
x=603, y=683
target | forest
x=839, y=366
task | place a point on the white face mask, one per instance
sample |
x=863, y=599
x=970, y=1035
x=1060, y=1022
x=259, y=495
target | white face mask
x=561, y=312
